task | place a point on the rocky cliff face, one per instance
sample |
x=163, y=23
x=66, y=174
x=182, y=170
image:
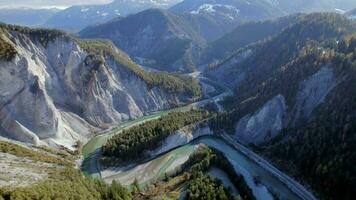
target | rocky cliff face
x=311, y=93
x=56, y=92
x=264, y=124
x=274, y=115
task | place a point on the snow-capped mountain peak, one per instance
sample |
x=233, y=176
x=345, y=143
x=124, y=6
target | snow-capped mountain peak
x=228, y=11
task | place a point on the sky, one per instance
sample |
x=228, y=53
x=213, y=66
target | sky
x=47, y=3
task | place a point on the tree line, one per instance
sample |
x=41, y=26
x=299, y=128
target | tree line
x=133, y=143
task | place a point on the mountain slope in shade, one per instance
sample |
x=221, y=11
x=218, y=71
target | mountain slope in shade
x=351, y=14
x=243, y=35
x=56, y=89
x=26, y=16
x=161, y=38
x=76, y=18
x=265, y=55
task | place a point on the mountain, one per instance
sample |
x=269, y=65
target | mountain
x=229, y=9
x=228, y=12
x=26, y=16
x=76, y=18
x=283, y=45
x=160, y=38
x=351, y=14
x=294, y=102
x=243, y=35
x=260, y=9
x=292, y=81
x=192, y=33
x=314, y=5
x=58, y=90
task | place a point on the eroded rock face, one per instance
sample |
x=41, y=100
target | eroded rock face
x=269, y=120
x=59, y=93
x=264, y=124
x=312, y=92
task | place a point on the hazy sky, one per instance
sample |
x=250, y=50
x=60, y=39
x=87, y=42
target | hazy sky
x=48, y=3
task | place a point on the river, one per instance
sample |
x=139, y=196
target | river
x=151, y=170
x=148, y=171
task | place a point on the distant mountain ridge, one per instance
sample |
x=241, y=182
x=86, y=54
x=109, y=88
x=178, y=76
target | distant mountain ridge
x=314, y=5
x=183, y=37
x=284, y=7
x=26, y=16
x=229, y=9
x=351, y=14
x=76, y=18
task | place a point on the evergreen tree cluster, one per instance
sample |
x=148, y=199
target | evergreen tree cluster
x=200, y=161
x=68, y=184
x=203, y=187
x=134, y=142
x=7, y=51
x=44, y=36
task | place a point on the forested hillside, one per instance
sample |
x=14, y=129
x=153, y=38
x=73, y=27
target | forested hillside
x=316, y=142
x=68, y=184
x=61, y=180
x=323, y=150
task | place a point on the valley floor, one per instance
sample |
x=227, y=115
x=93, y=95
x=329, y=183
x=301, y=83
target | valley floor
x=273, y=181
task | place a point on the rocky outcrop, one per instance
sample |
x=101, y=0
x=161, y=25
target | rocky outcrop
x=57, y=92
x=264, y=124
